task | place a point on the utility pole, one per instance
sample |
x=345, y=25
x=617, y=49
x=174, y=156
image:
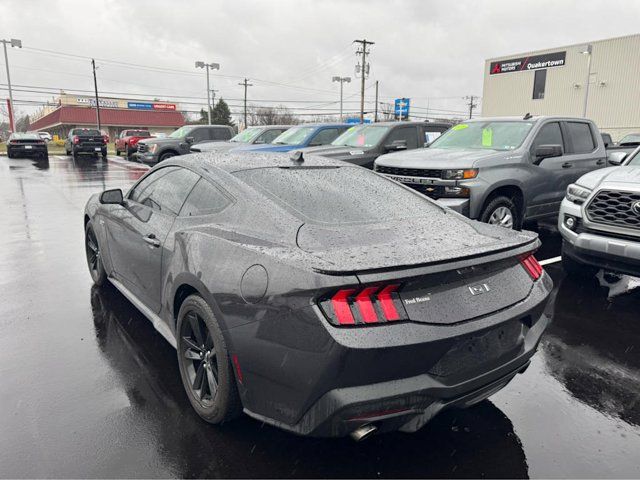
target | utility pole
x=364, y=70
x=95, y=85
x=587, y=51
x=246, y=84
x=342, y=80
x=375, y=115
x=208, y=66
x=472, y=105
x=14, y=42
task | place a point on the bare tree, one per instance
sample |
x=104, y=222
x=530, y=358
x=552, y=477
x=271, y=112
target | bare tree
x=279, y=115
x=323, y=119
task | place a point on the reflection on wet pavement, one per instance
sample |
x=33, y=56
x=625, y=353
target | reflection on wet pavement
x=89, y=389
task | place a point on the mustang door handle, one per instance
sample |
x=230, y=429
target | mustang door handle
x=567, y=165
x=151, y=240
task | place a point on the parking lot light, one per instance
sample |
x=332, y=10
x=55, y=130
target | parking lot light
x=587, y=51
x=14, y=42
x=342, y=80
x=208, y=66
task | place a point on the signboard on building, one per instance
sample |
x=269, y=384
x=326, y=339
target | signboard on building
x=104, y=102
x=150, y=106
x=535, y=62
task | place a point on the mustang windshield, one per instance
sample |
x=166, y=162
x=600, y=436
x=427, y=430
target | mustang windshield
x=365, y=136
x=337, y=195
x=498, y=135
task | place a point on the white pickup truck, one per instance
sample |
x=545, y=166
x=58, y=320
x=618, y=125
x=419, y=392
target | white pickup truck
x=600, y=221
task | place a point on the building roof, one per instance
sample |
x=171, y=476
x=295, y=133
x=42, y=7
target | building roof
x=68, y=115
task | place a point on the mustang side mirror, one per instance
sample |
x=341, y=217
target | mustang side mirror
x=616, y=158
x=396, y=145
x=547, y=151
x=112, y=197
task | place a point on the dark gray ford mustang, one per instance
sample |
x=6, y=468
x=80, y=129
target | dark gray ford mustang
x=318, y=296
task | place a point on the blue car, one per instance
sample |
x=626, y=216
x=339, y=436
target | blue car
x=301, y=136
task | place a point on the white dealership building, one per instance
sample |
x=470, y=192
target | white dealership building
x=599, y=76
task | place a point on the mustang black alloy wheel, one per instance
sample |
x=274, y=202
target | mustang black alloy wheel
x=94, y=260
x=204, y=362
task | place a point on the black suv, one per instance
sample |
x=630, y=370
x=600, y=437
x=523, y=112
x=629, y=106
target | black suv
x=362, y=144
x=154, y=150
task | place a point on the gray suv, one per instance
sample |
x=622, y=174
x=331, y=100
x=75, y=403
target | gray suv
x=504, y=170
x=154, y=150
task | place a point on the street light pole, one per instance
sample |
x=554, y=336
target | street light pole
x=342, y=80
x=212, y=66
x=587, y=52
x=14, y=42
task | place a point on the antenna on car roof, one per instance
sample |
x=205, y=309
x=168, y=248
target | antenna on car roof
x=297, y=157
x=528, y=116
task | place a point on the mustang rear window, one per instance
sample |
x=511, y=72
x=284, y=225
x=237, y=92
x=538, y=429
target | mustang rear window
x=337, y=195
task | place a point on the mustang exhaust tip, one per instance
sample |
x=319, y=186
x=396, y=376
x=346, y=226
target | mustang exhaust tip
x=363, y=432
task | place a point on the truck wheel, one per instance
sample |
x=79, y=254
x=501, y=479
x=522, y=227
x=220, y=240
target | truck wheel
x=575, y=269
x=74, y=154
x=502, y=211
x=165, y=156
x=117, y=152
x=205, y=363
x=68, y=152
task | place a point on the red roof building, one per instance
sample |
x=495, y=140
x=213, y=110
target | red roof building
x=157, y=117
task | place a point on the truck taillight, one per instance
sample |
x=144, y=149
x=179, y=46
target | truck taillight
x=531, y=265
x=105, y=139
x=374, y=304
x=76, y=139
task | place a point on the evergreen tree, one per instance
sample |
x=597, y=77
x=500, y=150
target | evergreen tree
x=221, y=115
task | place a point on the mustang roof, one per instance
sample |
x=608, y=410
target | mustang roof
x=233, y=162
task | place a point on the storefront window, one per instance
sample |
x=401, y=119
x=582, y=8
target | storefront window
x=539, y=82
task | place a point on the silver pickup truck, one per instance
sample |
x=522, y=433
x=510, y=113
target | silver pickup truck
x=600, y=221
x=501, y=170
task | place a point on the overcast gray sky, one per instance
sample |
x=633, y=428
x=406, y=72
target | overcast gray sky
x=430, y=51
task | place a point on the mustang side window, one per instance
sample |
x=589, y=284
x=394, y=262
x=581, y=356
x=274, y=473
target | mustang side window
x=204, y=199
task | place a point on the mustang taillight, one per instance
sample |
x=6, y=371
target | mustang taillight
x=373, y=304
x=531, y=265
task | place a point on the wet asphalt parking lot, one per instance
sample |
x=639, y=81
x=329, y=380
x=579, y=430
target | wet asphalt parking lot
x=89, y=389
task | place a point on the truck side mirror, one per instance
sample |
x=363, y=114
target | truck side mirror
x=189, y=140
x=547, y=151
x=616, y=158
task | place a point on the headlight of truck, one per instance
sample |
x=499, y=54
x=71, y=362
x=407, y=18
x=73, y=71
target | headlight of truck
x=460, y=174
x=153, y=147
x=577, y=194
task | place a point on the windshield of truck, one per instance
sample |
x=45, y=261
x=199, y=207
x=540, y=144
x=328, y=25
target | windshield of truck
x=294, y=136
x=86, y=132
x=138, y=133
x=633, y=159
x=181, y=132
x=632, y=139
x=246, y=135
x=361, y=136
x=498, y=135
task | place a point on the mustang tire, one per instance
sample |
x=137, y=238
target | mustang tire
x=205, y=366
x=94, y=257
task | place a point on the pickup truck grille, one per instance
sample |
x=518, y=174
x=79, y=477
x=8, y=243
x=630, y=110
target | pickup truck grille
x=409, y=172
x=615, y=208
x=432, y=191
x=142, y=147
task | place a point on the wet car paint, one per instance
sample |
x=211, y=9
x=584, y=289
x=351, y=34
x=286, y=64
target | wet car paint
x=89, y=389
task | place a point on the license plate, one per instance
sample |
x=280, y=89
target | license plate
x=28, y=147
x=98, y=149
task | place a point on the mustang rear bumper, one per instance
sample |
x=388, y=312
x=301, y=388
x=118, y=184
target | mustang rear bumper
x=419, y=371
